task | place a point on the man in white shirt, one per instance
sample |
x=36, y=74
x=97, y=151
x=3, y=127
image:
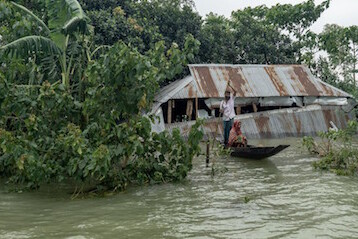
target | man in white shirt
x=228, y=111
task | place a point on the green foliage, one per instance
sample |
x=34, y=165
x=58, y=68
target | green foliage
x=252, y=35
x=32, y=15
x=217, y=151
x=66, y=18
x=14, y=24
x=67, y=23
x=296, y=18
x=143, y=23
x=217, y=170
x=51, y=132
x=341, y=45
x=258, y=41
x=175, y=19
x=247, y=199
x=110, y=27
x=136, y=76
x=308, y=142
x=32, y=118
x=342, y=162
x=41, y=142
x=38, y=7
x=25, y=45
x=336, y=149
x=217, y=40
x=90, y=127
x=121, y=70
x=259, y=35
x=176, y=58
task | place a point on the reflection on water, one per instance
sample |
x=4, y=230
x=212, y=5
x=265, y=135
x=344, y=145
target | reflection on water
x=280, y=197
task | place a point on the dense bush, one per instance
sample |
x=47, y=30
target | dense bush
x=86, y=123
x=337, y=151
x=41, y=142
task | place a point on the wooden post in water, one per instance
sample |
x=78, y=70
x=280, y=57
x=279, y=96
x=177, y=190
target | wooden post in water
x=254, y=106
x=238, y=110
x=169, y=112
x=196, y=108
x=207, y=153
x=189, y=109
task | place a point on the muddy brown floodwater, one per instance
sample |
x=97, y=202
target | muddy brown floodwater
x=279, y=197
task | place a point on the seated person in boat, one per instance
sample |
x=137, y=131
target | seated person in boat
x=236, y=139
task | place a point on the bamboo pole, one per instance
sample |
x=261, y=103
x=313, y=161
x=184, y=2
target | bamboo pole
x=196, y=107
x=169, y=112
x=255, y=107
x=238, y=110
x=189, y=109
x=207, y=153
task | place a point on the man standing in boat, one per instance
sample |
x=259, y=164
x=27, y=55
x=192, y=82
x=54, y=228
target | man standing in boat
x=228, y=111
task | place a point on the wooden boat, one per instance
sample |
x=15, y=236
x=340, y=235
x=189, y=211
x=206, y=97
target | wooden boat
x=253, y=152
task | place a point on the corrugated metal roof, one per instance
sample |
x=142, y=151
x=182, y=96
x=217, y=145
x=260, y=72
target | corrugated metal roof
x=167, y=92
x=211, y=80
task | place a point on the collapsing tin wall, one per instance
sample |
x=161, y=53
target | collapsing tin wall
x=291, y=122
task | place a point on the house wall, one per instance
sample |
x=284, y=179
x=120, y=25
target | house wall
x=290, y=122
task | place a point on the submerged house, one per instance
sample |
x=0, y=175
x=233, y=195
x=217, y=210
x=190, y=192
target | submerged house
x=271, y=101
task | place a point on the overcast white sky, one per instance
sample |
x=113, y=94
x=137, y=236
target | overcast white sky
x=341, y=12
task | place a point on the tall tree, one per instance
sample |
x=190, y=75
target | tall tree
x=217, y=40
x=341, y=46
x=175, y=18
x=143, y=23
x=117, y=24
x=297, y=20
x=257, y=41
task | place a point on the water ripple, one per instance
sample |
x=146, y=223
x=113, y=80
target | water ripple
x=280, y=197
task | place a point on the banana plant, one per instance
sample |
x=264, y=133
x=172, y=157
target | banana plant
x=67, y=20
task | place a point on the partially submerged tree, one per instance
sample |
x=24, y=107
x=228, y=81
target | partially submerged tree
x=101, y=139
